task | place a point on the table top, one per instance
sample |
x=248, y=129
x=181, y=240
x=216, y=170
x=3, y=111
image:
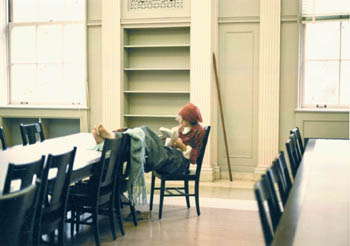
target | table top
x=85, y=155
x=318, y=208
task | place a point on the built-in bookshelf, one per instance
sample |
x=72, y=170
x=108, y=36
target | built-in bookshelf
x=156, y=75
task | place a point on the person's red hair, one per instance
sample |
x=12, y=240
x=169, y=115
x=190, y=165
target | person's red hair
x=191, y=113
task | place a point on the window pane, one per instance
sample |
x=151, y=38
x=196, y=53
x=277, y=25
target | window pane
x=22, y=52
x=24, y=10
x=335, y=7
x=74, y=40
x=50, y=43
x=49, y=88
x=74, y=82
x=75, y=9
x=345, y=40
x=23, y=80
x=345, y=83
x=322, y=40
x=51, y=10
x=321, y=82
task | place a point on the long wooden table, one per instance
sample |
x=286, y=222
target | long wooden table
x=318, y=208
x=85, y=157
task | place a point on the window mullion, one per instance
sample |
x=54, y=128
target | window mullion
x=340, y=63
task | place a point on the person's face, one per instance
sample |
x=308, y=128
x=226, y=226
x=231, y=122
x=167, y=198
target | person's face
x=185, y=123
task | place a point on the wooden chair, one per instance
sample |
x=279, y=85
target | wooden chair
x=281, y=160
x=293, y=154
x=2, y=139
x=275, y=176
x=264, y=193
x=53, y=196
x=296, y=132
x=100, y=196
x=184, y=177
x=24, y=173
x=17, y=216
x=29, y=133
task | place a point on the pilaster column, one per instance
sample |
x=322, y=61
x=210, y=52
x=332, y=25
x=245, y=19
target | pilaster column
x=269, y=78
x=203, y=43
x=111, y=64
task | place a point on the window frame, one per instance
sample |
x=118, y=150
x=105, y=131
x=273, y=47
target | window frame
x=302, y=63
x=10, y=25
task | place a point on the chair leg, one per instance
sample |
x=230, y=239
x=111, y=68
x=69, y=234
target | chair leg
x=72, y=220
x=112, y=219
x=95, y=226
x=187, y=197
x=196, y=190
x=118, y=204
x=133, y=213
x=161, y=198
x=152, y=192
x=61, y=233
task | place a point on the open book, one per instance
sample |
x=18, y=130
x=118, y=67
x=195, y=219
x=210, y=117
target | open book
x=171, y=135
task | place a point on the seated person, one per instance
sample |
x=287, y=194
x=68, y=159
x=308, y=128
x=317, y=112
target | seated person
x=172, y=159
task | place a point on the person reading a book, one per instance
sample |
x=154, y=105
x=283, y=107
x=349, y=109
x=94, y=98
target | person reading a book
x=182, y=148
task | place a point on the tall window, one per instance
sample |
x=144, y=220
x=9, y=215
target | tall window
x=47, y=52
x=326, y=54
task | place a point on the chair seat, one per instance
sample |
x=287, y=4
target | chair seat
x=189, y=176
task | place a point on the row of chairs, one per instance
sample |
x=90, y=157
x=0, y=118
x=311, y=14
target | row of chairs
x=44, y=205
x=30, y=134
x=278, y=176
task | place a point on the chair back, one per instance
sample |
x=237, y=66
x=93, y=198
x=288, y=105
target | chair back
x=2, y=138
x=29, y=133
x=55, y=190
x=25, y=173
x=17, y=216
x=274, y=176
x=296, y=132
x=202, y=151
x=293, y=154
x=263, y=192
x=102, y=183
x=281, y=160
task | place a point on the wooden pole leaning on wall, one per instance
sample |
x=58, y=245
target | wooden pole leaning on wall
x=222, y=116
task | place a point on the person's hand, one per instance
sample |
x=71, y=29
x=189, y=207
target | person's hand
x=179, y=144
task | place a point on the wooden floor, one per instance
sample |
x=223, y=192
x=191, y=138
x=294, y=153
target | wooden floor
x=229, y=216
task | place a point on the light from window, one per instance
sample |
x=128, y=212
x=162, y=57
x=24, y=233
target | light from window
x=47, y=52
x=326, y=66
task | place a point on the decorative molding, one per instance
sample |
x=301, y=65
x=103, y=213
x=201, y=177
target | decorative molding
x=254, y=19
x=241, y=19
x=269, y=78
x=289, y=18
x=134, y=5
x=168, y=22
x=94, y=23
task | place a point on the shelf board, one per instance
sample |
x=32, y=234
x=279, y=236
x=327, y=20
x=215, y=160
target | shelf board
x=157, y=69
x=156, y=46
x=148, y=116
x=156, y=92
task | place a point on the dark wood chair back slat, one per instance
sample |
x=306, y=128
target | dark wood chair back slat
x=296, y=132
x=275, y=176
x=24, y=173
x=281, y=160
x=293, y=154
x=2, y=139
x=264, y=193
x=29, y=133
